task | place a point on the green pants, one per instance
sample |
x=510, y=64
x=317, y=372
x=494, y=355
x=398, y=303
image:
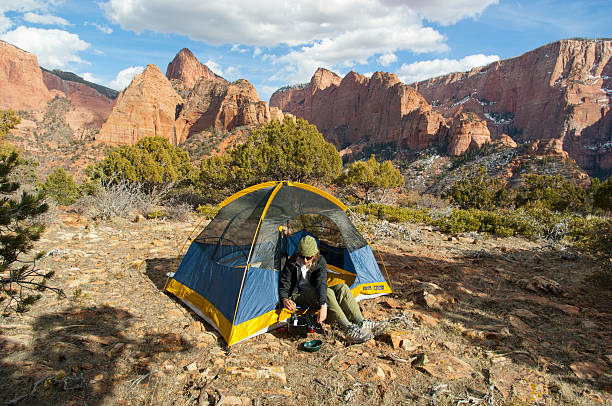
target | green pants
x=342, y=306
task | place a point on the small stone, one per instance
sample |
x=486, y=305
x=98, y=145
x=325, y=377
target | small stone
x=236, y=400
x=408, y=345
x=138, y=218
x=588, y=370
x=395, y=337
x=445, y=366
x=524, y=313
x=430, y=318
x=391, y=303
x=87, y=366
x=192, y=367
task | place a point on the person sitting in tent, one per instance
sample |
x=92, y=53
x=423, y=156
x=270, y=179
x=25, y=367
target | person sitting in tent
x=303, y=282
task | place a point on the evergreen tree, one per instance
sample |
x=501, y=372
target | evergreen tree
x=19, y=278
x=61, y=187
x=478, y=191
x=371, y=176
x=291, y=150
x=553, y=192
x=152, y=161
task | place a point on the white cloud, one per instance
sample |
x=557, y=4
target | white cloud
x=22, y=6
x=317, y=33
x=54, y=48
x=422, y=70
x=231, y=73
x=89, y=77
x=46, y=19
x=103, y=28
x=124, y=78
x=354, y=47
x=236, y=48
x=256, y=51
x=446, y=12
x=386, y=59
x=5, y=23
x=214, y=66
x=264, y=92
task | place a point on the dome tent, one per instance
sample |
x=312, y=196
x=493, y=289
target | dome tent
x=229, y=275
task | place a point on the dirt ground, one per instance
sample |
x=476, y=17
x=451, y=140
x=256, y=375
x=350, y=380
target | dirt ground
x=473, y=320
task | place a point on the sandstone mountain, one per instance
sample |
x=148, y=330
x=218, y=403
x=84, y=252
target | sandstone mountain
x=357, y=109
x=185, y=70
x=21, y=80
x=25, y=86
x=189, y=100
x=556, y=97
x=146, y=108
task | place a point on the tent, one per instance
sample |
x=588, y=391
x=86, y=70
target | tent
x=229, y=275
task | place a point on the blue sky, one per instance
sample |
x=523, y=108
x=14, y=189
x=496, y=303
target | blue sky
x=273, y=43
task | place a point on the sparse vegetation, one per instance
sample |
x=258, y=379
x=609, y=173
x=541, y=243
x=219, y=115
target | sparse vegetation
x=365, y=178
x=478, y=191
x=61, y=187
x=290, y=150
x=20, y=279
x=152, y=162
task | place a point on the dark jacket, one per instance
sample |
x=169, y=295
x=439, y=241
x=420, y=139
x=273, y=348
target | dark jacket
x=290, y=276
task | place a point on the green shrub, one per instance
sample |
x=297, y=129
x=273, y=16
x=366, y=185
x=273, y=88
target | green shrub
x=393, y=214
x=152, y=162
x=371, y=176
x=208, y=211
x=602, y=194
x=155, y=214
x=61, y=187
x=553, y=192
x=504, y=223
x=291, y=150
x=478, y=191
x=593, y=235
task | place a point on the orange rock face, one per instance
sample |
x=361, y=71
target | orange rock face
x=90, y=108
x=146, y=108
x=556, y=97
x=468, y=132
x=221, y=105
x=21, y=80
x=152, y=105
x=356, y=109
x=185, y=70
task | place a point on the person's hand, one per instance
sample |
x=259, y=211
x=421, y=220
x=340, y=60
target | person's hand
x=289, y=304
x=322, y=314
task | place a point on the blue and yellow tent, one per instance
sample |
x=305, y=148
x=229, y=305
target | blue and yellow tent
x=229, y=275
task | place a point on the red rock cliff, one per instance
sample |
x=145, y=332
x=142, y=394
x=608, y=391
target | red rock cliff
x=21, y=80
x=185, y=70
x=146, y=108
x=356, y=109
x=90, y=108
x=556, y=97
x=152, y=105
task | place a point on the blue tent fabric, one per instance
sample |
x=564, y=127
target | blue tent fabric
x=259, y=295
x=218, y=284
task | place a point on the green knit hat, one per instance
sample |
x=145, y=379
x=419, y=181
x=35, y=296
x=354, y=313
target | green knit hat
x=308, y=247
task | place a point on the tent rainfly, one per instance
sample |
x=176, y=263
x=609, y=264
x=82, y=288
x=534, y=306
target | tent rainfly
x=229, y=275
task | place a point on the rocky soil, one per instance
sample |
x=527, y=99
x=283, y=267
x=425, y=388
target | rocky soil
x=473, y=320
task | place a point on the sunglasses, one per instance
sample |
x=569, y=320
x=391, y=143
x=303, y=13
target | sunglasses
x=307, y=258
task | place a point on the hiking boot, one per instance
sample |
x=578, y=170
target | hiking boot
x=376, y=327
x=355, y=334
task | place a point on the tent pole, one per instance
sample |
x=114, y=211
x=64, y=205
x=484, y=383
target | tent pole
x=248, y=264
